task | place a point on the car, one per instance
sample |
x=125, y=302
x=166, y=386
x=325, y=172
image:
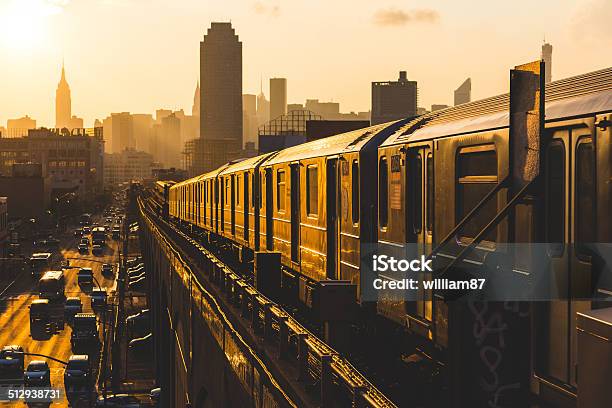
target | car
x=107, y=269
x=142, y=345
x=109, y=220
x=85, y=241
x=83, y=248
x=86, y=230
x=37, y=374
x=118, y=401
x=98, y=297
x=97, y=250
x=77, y=371
x=40, y=311
x=73, y=306
x=116, y=232
x=78, y=232
x=85, y=276
x=11, y=365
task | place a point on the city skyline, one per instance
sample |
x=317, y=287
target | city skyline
x=111, y=70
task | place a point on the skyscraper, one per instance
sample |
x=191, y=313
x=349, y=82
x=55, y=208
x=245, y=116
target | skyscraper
x=195, y=108
x=221, y=95
x=547, y=57
x=63, y=104
x=393, y=100
x=463, y=94
x=278, y=97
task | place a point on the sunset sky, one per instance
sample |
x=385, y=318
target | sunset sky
x=140, y=55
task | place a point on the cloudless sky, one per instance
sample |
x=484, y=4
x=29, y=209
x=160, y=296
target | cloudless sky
x=141, y=55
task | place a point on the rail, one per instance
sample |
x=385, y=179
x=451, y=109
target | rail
x=340, y=384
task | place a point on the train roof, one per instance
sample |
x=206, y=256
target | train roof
x=342, y=143
x=566, y=98
x=246, y=164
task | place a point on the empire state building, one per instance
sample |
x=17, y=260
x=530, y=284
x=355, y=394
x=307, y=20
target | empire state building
x=63, y=104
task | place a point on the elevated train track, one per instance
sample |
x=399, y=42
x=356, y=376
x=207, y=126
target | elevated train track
x=324, y=376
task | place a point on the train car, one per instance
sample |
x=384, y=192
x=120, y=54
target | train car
x=241, y=186
x=306, y=189
x=457, y=160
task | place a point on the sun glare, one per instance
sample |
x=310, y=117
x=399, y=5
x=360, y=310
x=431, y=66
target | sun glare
x=24, y=23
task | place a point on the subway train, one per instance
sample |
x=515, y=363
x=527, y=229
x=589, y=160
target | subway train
x=451, y=183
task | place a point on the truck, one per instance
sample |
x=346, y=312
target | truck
x=84, y=331
x=51, y=285
x=39, y=263
x=98, y=236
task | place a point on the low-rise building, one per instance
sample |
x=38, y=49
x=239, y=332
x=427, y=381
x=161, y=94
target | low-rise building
x=128, y=165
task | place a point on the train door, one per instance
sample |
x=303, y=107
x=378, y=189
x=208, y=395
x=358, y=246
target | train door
x=419, y=222
x=269, y=210
x=233, y=197
x=569, y=229
x=246, y=206
x=295, y=212
x=332, y=216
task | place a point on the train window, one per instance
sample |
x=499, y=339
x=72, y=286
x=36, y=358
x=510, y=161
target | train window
x=555, y=204
x=416, y=189
x=280, y=190
x=312, y=190
x=585, y=196
x=477, y=175
x=383, y=192
x=430, y=192
x=237, y=190
x=355, y=191
x=261, y=191
x=227, y=192
x=253, y=191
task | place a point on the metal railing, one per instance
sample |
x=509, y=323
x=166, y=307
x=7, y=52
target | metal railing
x=317, y=364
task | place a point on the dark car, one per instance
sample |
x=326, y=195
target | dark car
x=83, y=248
x=97, y=250
x=53, y=242
x=37, y=374
x=155, y=396
x=11, y=365
x=73, y=306
x=77, y=372
x=85, y=276
x=40, y=311
x=84, y=330
x=118, y=401
x=98, y=298
x=78, y=232
x=107, y=269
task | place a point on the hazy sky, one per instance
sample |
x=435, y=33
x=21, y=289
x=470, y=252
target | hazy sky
x=139, y=55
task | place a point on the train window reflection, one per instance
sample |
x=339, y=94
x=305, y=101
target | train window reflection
x=312, y=190
x=280, y=190
x=355, y=191
x=383, y=196
x=585, y=196
x=477, y=170
x=555, y=206
x=416, y=189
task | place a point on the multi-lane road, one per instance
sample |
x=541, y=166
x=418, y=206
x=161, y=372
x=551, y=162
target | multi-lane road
x=53, y=339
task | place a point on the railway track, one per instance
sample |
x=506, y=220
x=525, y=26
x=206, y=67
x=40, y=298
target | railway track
x=318, y=365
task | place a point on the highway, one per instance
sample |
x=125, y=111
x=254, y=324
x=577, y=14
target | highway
x=54, y=339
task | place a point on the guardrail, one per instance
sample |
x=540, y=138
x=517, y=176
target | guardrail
x=339, y=383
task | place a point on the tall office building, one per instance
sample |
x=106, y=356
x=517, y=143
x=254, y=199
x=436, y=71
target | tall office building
x=221, y=95
x=463, y=94
x=278, y=97
x=547, y=57
x=122, y=132
x=63, y=103
x=249, y=118
x=393, y=100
